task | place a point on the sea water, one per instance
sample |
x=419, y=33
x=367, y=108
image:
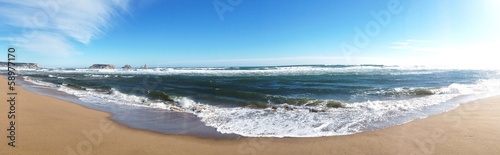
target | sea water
x=272, y=101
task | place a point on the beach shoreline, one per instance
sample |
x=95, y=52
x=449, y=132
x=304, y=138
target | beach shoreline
x=46, y=125
x=137, y=117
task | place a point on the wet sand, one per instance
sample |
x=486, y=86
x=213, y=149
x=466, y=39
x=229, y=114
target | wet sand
x=45, y=125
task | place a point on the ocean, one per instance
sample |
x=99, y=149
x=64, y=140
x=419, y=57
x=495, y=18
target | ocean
x=271, y=101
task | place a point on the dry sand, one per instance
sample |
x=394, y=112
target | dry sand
x=46, y=125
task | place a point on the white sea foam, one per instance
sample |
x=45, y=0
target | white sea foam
x=38, y=82
x=113, y=97
x=301, y=122
x=185, y=102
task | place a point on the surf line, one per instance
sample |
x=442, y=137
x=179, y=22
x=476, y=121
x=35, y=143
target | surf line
x=11, y=95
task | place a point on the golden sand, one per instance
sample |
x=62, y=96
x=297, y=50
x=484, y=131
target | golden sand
x=45, y=125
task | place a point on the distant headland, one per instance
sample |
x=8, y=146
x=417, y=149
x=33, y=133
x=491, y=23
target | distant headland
x=22, y=65
x=110, y=66
x=102, y=66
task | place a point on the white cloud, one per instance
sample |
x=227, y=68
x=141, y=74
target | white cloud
x=413, y=45
x=429, y=49
x=417, y=41
x=49, y=26
x=52, y=43
x=401, y=43
x=7, y=39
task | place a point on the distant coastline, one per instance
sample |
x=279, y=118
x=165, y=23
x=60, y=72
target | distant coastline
x=22, y=65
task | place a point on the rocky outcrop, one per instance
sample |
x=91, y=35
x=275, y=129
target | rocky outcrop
x=21, y=65
x=102, y=66
x=144, y=67
x=127, y=67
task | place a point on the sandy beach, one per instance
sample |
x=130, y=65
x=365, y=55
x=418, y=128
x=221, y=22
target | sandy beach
x=45, y=125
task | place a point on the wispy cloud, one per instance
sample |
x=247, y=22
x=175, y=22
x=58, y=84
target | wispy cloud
x=401, y=43
x=52, y=43
x=417, y=41
x=411, y=44
x=51, y=26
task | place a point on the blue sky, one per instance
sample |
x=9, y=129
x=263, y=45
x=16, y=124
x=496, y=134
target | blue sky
x=58, y=33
